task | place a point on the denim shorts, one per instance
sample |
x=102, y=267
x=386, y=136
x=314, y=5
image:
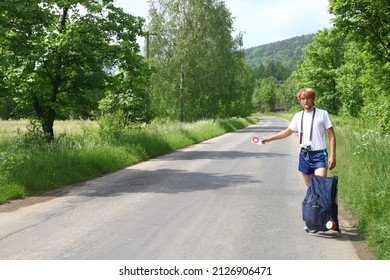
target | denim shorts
x=310, y=161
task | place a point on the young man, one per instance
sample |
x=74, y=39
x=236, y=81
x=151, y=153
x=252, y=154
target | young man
x=312, y=124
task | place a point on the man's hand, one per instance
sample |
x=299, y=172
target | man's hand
x=331, y=163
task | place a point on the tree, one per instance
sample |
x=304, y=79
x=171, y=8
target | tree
x=127, y=97
x=64, y=54
x=366, y=22
x=265, y=95
x=196, y=60
x=286, y=94
x=318, y=70
x=242, y=89
x=375, y=81
x=348, y=81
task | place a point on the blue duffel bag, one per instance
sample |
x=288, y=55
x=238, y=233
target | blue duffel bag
x=319, y=207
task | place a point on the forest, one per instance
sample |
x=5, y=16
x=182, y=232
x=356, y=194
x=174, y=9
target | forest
x=80, y=60
x=287, y=52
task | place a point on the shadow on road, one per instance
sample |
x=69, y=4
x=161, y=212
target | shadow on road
x=218, y=155
x=170, y=181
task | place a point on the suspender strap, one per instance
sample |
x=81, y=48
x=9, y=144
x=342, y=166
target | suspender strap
x=311, y=128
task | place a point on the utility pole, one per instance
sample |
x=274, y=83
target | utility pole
x=181, y=93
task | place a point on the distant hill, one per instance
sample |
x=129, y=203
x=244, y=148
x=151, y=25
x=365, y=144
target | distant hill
x=286, y=52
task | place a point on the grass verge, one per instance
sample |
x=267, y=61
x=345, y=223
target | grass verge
x=29, y=166
x=363, y=167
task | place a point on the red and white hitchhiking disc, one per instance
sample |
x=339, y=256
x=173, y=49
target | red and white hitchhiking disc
x=256, y=140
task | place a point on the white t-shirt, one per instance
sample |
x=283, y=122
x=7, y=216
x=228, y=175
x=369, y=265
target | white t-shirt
x=321, y=123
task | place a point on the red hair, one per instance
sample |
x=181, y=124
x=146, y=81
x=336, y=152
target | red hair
x=306, y=92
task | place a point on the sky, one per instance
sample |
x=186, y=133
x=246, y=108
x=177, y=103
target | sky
x=262, y=21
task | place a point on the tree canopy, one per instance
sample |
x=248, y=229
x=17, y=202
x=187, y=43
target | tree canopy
x=57, y=56
x=366, y=22
x=200, y=70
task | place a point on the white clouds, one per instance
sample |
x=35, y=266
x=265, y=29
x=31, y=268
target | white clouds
x=263, y=21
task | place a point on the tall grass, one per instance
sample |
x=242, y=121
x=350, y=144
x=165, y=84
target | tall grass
x=363, y=167
x=85, y=149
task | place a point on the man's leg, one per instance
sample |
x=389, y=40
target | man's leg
x=306, y=177
x=321, y=172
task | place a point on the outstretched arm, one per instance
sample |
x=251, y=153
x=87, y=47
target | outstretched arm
x=280, y=135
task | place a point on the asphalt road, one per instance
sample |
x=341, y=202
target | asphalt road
x=222, y=199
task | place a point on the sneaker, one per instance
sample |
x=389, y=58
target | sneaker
x=310, y=231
